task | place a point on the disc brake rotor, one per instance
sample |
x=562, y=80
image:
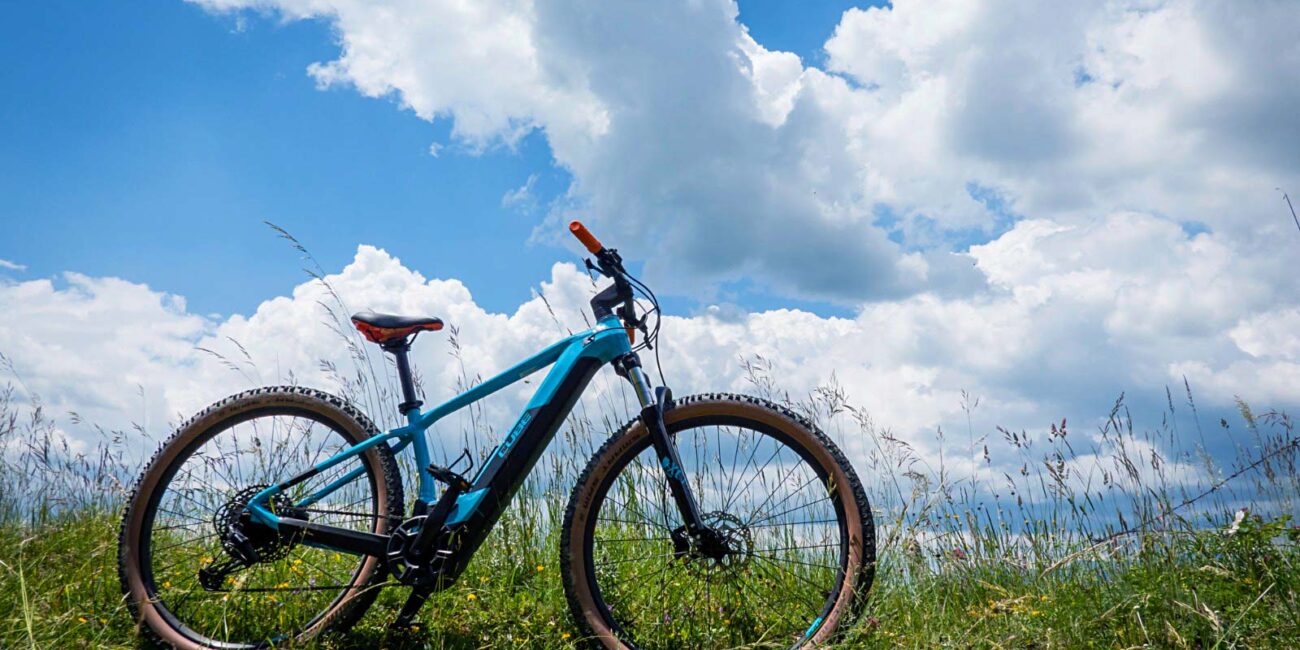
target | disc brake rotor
x=729, y=532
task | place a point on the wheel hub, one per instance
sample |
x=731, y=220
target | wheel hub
x=724, y=545
x=245, y=541
x=240, y=534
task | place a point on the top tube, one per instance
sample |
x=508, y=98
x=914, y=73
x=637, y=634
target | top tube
x=606, y=342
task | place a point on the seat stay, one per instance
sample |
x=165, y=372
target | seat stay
x=311, y=499
x=257, y=505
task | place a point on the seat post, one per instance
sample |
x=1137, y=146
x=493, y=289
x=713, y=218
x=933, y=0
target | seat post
x=400, y=349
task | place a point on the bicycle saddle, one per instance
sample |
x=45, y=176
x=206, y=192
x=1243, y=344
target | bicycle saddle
x=383, y=328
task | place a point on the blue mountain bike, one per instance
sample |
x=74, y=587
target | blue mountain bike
x=710, y=521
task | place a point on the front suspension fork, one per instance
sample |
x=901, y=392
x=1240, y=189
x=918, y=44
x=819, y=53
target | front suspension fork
x=653, y=402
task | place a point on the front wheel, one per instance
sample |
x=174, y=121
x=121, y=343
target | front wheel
x=798, y=533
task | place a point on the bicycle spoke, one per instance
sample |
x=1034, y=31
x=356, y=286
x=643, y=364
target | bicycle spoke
x=632, y=559
x=201, y=503
x=795, y=509
x=185, y=542
x=630, y=523
x=772, y=586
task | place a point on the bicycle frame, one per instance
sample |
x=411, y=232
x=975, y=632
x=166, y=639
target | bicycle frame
x=574, y=359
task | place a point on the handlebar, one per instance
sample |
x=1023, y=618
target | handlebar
x=589, y=240
x=616, y=298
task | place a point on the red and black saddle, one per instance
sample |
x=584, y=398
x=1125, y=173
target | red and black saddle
x=387, y=328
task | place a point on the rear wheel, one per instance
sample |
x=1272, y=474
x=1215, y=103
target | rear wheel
x=793, y=519
x=198, y=573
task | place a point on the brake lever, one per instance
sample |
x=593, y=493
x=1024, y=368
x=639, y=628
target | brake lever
x=628, y=313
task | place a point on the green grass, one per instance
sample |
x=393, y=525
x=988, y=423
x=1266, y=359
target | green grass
x=1195, y=591
x=1035, y=558
x=1119, y=537
x=58, y=588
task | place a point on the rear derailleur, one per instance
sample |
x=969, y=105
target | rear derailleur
x=245, y=541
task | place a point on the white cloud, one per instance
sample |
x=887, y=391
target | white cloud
x=679, y=128
x=1072, y=113
x=476, y=62
x=1053, y=341
x=104, y=348
x=12, y=266
x=1112, y=130
x=674, y=123
x=1269, y=333
x=522, y=198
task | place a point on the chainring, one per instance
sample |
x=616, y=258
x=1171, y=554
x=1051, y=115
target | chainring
x=414, y=568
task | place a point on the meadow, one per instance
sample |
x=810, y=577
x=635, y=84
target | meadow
x=1110, y=536
x=1140, y=559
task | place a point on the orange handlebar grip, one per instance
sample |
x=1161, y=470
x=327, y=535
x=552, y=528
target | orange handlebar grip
x=589, y=240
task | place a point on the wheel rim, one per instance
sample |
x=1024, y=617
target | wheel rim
x=769, y=496
x=295, y=586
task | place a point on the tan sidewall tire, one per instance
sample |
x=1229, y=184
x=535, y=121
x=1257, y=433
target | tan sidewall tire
x=861, y=552
x=149, y=620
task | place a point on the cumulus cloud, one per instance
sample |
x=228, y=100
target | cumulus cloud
x=1042, y=205
x=1177, y=108
x=118, y=353
x=933, y=123
x=105, y=348
x=675, y=125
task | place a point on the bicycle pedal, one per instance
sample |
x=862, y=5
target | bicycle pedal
x=450, y=477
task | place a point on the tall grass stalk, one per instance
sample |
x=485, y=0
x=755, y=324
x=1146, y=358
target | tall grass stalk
x=1113, y=535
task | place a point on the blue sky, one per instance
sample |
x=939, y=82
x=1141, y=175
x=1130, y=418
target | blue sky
x=1044, y=205
x=149, y=140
